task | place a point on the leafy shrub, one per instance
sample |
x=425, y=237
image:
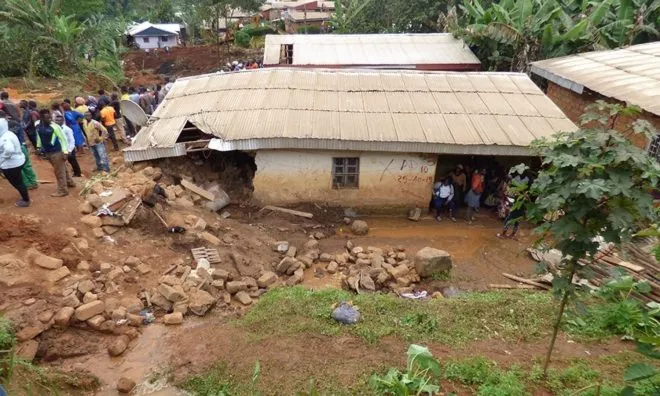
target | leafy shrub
x=259, y=30
x=242, y=39
x=308, y=30
x=421, y=376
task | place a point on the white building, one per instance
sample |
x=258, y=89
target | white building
x=155, y=35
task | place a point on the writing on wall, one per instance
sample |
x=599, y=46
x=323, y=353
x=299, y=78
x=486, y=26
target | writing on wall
x=411, y=170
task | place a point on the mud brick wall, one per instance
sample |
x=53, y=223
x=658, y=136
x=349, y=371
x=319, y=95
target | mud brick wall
x=574, y=104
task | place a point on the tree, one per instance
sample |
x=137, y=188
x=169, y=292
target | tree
x=594, y=184
x=510, y=34
x=164, y=12
x=82, y=9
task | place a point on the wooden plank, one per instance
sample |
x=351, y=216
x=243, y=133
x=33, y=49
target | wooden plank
x=630, y=266
x=526, y=281
x=197, y=190
x=524, y=287
x=289, y=211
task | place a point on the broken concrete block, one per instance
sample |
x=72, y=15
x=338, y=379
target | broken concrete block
x=267, y=279
x=429, y=261
x=63, y=317
x=210, y=238
x=172, y=293
x=243, y=297
x=58, y=274
x=89, y=310
x=43, y=261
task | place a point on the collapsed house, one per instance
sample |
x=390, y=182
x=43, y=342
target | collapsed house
x=349, y=137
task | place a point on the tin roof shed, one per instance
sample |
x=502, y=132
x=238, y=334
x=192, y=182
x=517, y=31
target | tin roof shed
x=630, y=74
x=433, y=51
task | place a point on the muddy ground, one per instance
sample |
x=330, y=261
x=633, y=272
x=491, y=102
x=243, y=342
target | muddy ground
x=479, y=259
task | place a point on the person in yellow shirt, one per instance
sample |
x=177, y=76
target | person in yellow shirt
x=107, y=115
x=124, y=94
x=96, y=135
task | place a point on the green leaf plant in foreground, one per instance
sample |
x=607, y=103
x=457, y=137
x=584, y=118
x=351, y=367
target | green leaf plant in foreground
x=594, y=187
x=420, y=378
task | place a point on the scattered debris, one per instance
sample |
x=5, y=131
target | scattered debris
x=288, y=211
x=211, y=255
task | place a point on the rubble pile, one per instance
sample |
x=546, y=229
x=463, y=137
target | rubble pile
x=112, y=203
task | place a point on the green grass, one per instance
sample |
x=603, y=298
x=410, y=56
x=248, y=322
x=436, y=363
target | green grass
x=455, y=321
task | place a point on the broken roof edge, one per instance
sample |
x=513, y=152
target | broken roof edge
x=559, y=80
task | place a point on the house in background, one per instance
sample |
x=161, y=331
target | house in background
x=294, y=20
x=272, y=11
x=434, y=51
x=155, y=35
x=350, y=137
x=630, y=75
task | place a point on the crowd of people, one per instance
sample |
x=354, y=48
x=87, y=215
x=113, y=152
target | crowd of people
x=474, y=188
x=64, y=131
x=240, y=65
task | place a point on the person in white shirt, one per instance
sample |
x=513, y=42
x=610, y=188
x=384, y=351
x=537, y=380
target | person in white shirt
x=443, y=196
x=71, y=143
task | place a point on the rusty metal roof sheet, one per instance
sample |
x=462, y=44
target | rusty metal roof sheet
x=630, y=74
x=495, y=113
x=370, y=49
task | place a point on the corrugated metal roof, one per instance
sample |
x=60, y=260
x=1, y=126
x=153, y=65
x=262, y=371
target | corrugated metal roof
x=370, y=49
x=630, y=74
x=376, y=109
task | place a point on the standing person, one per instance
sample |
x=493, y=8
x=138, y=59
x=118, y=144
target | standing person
x=133, y=96
x=146, y=101
x=460, y=183
x=71, y=144
x=103, y=97
x=27, y=172
x=53, y=144
x=121, y=125
x=73, y=119
x=11, y=162
x=473, y=197
x=124, y=93
x=9, y=107
x=443, y=193
x=107, y=116
x=28, y=122
x=96, y=135
x=81, y=106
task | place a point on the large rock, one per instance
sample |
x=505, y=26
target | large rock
x=360, y=227
x=267, y=279
x=243, y=298
x=89, y=310
x=236, y=286
x=118, y=346
x=125, y=385
x=172, y=293
x=429, y=261
x=200, y=302
x=43, y=261
x=86, y=286
x=85, y=208
x=63, y=317
x=28, y=333
x=175, y=318
x=27, y=350
x=92, y=221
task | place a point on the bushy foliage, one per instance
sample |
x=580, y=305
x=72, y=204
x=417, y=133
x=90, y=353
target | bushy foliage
x=242, y=39
x=309, y=30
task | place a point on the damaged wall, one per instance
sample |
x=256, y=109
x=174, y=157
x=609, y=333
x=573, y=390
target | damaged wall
x=391, y=179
